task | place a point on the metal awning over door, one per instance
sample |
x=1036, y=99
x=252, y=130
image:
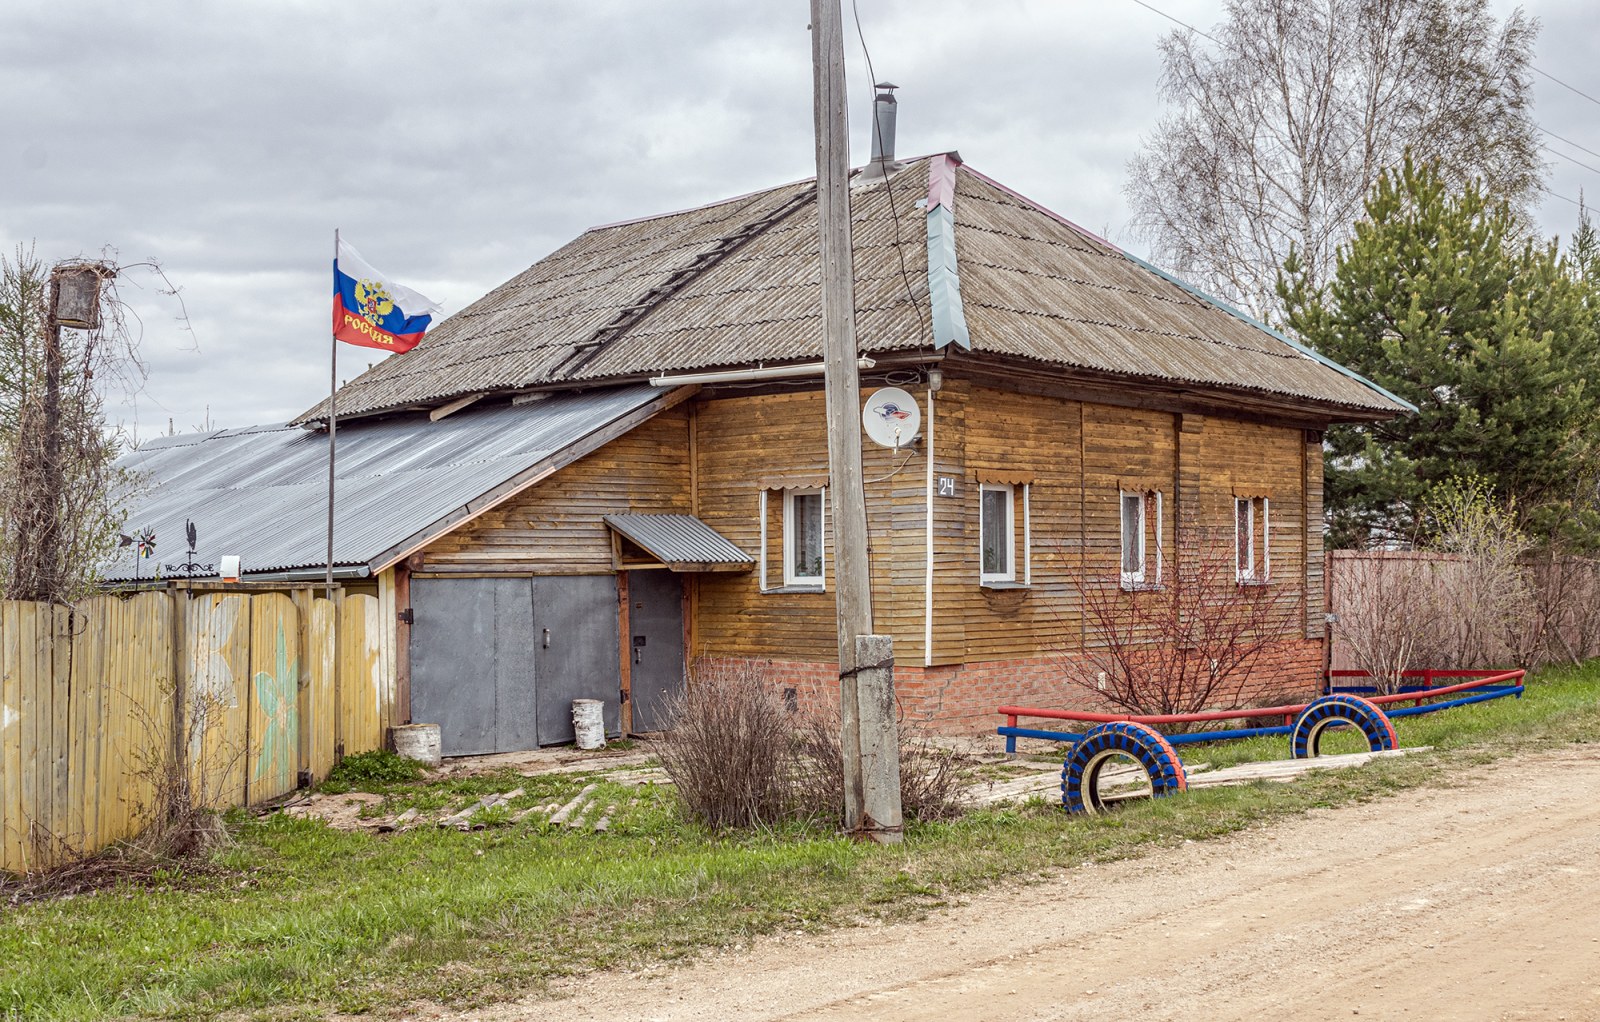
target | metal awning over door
x=680, y=542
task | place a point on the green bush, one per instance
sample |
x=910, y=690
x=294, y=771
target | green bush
x=366, y=770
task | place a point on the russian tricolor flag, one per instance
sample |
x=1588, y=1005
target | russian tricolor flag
x=373, y=311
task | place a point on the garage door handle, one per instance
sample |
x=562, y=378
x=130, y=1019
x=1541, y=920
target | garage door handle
x=547, y=638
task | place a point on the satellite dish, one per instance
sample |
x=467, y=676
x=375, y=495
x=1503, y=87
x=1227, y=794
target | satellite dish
x=891, y=417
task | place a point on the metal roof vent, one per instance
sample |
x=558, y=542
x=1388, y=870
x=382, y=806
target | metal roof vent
x=884, y=108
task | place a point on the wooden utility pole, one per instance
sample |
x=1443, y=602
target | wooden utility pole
x=868, y=804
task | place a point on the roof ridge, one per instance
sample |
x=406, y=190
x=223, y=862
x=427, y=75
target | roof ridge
x=586, y=351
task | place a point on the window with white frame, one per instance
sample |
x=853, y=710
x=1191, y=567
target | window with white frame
x=1252, y=530
x=804, y=525
x=997, y=513
x=1141, y=539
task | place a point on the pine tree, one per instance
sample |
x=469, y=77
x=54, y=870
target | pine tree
x=1438, y=299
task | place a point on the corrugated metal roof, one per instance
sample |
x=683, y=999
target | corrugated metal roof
x=1033, y=286
x=261, y=492
x=679, y=539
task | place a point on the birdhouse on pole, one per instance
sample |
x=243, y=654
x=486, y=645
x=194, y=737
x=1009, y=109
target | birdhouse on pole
x=78, y=294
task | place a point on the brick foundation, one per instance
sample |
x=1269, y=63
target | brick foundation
x=962, y=698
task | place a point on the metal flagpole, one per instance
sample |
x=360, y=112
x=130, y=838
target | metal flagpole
x=333, y=427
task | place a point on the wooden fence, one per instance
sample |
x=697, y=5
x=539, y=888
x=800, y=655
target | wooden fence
x=1558, y=621
x=241, y=691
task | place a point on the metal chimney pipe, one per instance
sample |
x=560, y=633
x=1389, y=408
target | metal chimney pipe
x=883, y=117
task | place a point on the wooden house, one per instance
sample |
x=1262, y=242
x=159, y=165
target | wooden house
x=614, y=465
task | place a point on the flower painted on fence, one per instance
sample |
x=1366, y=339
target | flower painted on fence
x=275, y=694
x=210, y=643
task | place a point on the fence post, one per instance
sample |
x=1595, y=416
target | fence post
x=177, y=638
x=303, y=703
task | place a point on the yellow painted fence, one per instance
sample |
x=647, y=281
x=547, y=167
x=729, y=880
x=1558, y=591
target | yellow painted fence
x=241, y=692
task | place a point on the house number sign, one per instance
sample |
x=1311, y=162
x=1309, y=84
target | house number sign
x=947, y=486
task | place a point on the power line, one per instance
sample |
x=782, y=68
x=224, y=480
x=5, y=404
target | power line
x=1175, y=21
x=1558, y=195
x=1568, y=141
x=1564, y=156
x=1542, y=128
x=888, y=187
x=1553, y=78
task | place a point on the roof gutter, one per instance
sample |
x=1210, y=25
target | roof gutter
x=758, y=373
x=308, y=574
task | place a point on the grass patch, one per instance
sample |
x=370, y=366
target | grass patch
x=295, y=920
x=369, y=771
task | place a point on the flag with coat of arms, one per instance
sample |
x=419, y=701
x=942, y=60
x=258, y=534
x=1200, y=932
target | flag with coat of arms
x=373, y=311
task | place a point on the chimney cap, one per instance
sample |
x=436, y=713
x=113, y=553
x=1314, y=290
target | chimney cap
x=890, y=86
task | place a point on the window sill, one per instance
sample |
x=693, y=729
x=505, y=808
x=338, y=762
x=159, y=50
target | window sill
x=797, y=589
x=1004, y=584
x=1253, y=582
x=1142, y=587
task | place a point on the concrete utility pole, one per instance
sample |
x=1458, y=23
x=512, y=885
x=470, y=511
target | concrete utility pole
x=866, y=688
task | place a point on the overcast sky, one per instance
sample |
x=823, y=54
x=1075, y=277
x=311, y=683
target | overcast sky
x=456, y=143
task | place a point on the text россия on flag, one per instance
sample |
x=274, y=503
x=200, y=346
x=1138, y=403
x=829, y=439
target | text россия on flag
x=373, y=311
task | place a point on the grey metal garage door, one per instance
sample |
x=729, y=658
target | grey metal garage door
x=496, y=662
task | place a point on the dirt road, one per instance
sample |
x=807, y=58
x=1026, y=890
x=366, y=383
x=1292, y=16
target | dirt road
x=1480, y=901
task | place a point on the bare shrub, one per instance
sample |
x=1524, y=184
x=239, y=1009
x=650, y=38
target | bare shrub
x=933, y=785
x=1187, y=643
x=729, y=750
x=739, y=758
x=1566, y=611
x=1467, y=601
x=182, y=771
x=1392, y=611
x=1492, y=595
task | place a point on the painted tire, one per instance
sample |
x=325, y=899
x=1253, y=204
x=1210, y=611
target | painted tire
x=1306, y=737
x=1080, y=774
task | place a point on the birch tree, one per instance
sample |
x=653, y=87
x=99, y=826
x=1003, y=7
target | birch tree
x=1277, y=129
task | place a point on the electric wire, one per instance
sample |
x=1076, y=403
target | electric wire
x=888, y=183
x=1568, y=141
x=1553, y=78
x=1175, y=21
x=1536, y=124
x=1558, y=195
x=1569, y=159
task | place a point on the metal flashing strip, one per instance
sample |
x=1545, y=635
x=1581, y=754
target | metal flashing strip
x=944, y=281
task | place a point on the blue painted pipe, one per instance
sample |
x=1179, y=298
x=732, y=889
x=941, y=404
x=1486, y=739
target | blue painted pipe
x=1218, y=736
x=1481, y=697
x=1013, y=733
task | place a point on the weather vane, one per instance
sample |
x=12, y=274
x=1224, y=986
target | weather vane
x=190, y=566
x=146, y=547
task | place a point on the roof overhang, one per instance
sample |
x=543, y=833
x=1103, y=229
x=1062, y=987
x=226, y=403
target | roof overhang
x=681, y=543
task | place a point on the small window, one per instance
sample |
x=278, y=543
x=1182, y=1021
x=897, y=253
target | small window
x=803, y=529
x=997, y=531
x=1141, y=539
x=1252, y=530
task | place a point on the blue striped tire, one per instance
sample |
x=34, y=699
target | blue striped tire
x=1104, y=743
x=1343, y=708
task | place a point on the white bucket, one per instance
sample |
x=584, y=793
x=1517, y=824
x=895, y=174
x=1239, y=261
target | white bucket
x=416, y=741
x=589, y=723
